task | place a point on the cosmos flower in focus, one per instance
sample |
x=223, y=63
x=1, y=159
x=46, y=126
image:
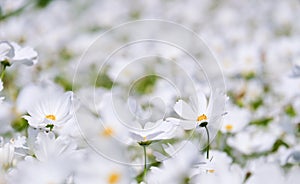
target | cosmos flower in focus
x=193, y=116
x=50, y=109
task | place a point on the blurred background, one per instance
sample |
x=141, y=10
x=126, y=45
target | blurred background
x=256, y=44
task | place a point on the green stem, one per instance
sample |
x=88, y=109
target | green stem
x=15, y=12
x=207, y=148
x=3, y=72
x=145, y=161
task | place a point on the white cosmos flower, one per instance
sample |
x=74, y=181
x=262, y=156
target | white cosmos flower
x=219, y=170
x=192, y=114
x=95, y=169
x=253, y=140
x=14, y=53
x=47, y=147
x=263, y=172
x=236, y=119
x=50, y=109
x=179, y=167
x=154, y=131
x=32, y=171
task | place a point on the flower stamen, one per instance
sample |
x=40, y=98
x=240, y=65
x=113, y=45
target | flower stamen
x=114, y=178
x=107, y=132
x=145, y=138
x=50, y=117
x=229, y=127
x=202, y=117
x=210, y=170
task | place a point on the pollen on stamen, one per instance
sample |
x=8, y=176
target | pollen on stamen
x=229, y=127
x=145, y=138
x=107, y=132
x=210, y=170
x=51, y=117
x=202, y=117
x=114, y=178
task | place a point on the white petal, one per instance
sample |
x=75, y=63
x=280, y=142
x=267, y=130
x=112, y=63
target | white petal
x=202, y=101
x=188, y=125
x=136, y=136
x=154, y=136
x=184, y=110
x=25, y=55
x=31, y=121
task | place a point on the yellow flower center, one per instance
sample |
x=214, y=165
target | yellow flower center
x=51, y=117
x=114, y=178
x=228, y=127
x=202, y=117
x=107, y=132
x=145, y=138
x=210, y=170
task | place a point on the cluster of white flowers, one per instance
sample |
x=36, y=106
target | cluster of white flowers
x=136, y=119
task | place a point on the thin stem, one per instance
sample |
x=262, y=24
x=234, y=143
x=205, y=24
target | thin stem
x=3, y=72
x=145, y=160
x=15, y=12
x=207, y=148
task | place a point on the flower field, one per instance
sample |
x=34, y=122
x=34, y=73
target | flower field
x=152, y=92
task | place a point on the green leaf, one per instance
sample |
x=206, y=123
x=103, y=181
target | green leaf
x=256, y=103
x=42, y=3
x=19, y=124
x=279, y=143
x=67, y=85
x=249, y=75
x=146, y=84
x=104, y=81
x=290, y=111
x=262, y=121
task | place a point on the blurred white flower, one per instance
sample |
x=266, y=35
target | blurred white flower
x=236, y=119
x=159, y=130
x=266, y=172
x=95, y=169
x=19, y=142
x=52, y=109
x=219, y=170
x=7, y=152
x=32, y=171
x=13, y=53
x=178, y=166
x=48, y=148
x=253, y=141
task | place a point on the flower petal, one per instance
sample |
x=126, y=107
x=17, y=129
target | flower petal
x=184, y=110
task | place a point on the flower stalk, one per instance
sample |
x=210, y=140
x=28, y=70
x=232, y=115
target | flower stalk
x=145, y=160
x=204, y=124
